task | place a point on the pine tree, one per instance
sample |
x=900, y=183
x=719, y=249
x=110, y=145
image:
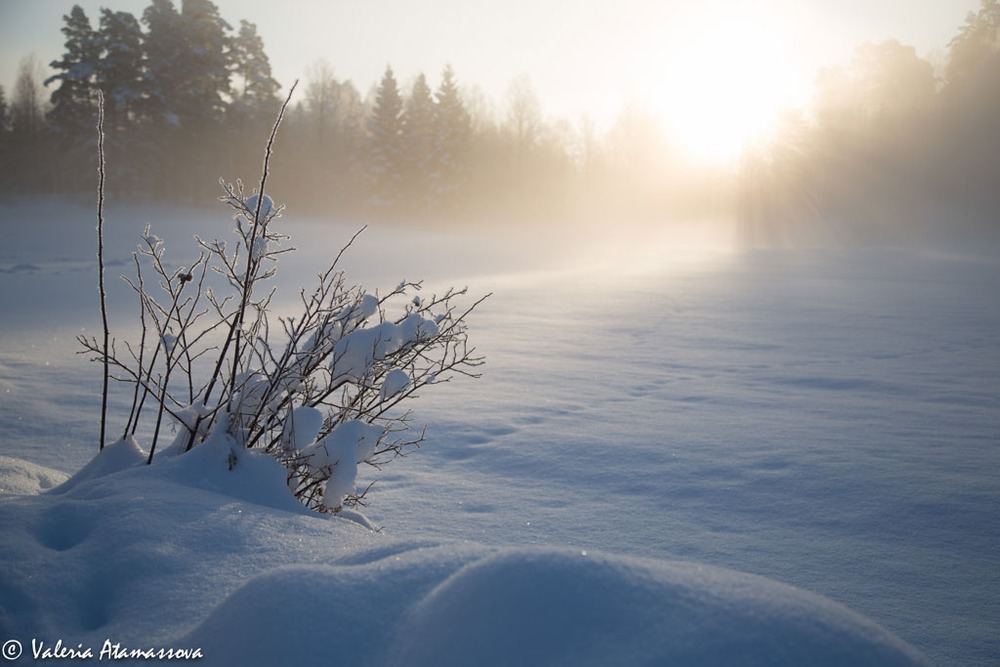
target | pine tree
x=452, y=134
x=255, y=97
x=119, y=76
x=187, y=63
x=119, y=70
x=418, y=141
x=187, y=85
x=205, y=63
x=163, y=47
x=385, y=133
x=74, y=101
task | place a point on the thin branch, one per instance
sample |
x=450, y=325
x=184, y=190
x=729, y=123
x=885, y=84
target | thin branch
x=100, y=261
x=232, y=336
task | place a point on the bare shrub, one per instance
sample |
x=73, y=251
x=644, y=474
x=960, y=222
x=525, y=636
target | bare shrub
x=322, y=391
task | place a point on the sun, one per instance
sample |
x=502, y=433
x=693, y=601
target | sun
x=720, y=85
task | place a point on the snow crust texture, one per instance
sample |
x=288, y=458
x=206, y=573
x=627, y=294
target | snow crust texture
x=168, y=556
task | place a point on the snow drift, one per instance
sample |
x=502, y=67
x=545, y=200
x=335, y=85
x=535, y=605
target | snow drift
x=187, y=554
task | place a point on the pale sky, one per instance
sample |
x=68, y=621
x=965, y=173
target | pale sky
x=582, y=57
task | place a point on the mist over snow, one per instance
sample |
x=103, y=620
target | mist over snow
x=713, y=457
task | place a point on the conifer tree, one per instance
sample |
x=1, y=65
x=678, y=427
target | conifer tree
x=385, y=133
x=73, y=102
x=119, y=76
x=187, y=83
x=418, y=140
x=452, y=133
x=255, y=96
x=163, y=45
x=119, y=70
x=205, y=64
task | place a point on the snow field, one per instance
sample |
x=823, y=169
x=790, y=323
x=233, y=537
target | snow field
x=823, y=419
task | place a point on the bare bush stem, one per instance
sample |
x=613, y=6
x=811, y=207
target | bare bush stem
x=100, y=262
x=232, y=338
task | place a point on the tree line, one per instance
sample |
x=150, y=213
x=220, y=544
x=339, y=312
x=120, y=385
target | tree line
x=188, y=98
x=893, y=146
x=179, y=88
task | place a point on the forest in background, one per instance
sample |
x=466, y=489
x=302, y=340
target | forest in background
x=891, y=146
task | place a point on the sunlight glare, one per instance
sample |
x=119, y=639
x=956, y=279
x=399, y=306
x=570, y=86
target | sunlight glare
x=722, y=85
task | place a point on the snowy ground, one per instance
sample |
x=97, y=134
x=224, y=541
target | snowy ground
x=827, y=420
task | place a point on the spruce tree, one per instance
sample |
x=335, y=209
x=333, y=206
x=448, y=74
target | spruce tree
x=418, y=141
x=385, y=132
x=452, y=134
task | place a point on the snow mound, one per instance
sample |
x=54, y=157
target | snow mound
x=441, y=606
x=209, y=551
x=548, y=607
x=120, y=455
x=21, y=478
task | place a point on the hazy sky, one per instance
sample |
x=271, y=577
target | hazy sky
x=581, y=56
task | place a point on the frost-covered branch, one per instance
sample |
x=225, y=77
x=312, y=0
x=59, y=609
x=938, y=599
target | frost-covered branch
x=100, y=263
